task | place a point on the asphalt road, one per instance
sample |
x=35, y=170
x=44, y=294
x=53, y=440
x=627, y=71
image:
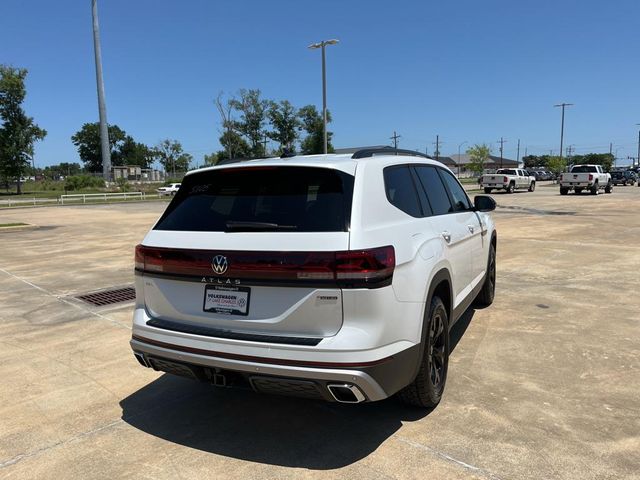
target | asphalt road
x=543, y=384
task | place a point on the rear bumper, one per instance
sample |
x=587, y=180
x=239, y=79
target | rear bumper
x=376, y=380
x=497, y=186
x=576, y=184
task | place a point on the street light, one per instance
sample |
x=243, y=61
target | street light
x=638, y=147
x=321, y=45
x=459, y=156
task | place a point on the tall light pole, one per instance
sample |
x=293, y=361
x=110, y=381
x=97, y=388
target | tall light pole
x=638, y=148
x=104, y=131
x=459, y=156
x=321, y=45
x=562, y=125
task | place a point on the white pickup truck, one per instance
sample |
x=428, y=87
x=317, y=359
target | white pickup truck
x=508, y=179
x=586, y=177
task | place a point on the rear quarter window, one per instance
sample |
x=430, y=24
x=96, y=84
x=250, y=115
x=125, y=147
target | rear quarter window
x=296, y=199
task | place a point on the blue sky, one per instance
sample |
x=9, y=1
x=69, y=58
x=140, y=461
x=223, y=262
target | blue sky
x=465, y=70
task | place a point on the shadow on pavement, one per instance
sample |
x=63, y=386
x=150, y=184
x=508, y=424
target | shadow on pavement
x=260, y=428
x=268, y=429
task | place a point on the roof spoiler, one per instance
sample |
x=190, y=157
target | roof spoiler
x=370, y=152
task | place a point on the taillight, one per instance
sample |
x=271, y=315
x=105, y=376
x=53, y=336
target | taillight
x=368, y=266
x=505, y=179
x=590, y=177
x=358, y=268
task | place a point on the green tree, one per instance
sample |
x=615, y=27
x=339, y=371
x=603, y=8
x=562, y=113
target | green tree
x=604, y=159
x=234, y=146
x=479, y=154
x=63, y=169
x=172, y=157
x=87, y=139
x=134, y=153
x=536, y=161
x=555, y=164
x=212, y=159
x=285, y=123
x=18, y=132
x=253, y=114
x=311, y=121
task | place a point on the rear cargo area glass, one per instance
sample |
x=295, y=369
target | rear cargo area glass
x=293, y=199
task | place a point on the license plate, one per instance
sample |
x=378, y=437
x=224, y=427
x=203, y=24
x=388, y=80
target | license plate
x=227, y=300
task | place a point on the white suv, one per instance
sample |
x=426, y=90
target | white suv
x=335, y=277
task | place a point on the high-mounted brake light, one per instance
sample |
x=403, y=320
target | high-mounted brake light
x=368, y=268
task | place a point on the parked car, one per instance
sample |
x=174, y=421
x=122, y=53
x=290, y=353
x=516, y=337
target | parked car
x=341, y=285
x=589, y=177
x=626, y=177
x=170, y=189
x=509, y=180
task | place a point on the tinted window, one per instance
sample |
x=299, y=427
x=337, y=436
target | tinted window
x=459, y=197
x=433, y=187
x=299, y=199
x=401, y=190
x=507, y=171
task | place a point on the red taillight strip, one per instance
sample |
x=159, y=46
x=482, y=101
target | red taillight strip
x=249, y=358
x=368, y=268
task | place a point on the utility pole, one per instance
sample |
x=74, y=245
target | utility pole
x=395, y=139
x=610, y=148
x=102, y=109
x=502, y=141
x=518, y=156
x=322, y=45
x=437, y=144
x=562, y=125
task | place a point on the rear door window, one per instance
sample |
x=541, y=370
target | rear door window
x=294, y=199
x=401, y=191
x=434, y=189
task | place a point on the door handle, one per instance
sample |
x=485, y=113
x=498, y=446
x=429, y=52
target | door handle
x=446, y=236
x=471, y=229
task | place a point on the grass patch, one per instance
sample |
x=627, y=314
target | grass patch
x=15, y=224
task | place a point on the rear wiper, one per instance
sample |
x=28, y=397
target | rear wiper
x=249, y=226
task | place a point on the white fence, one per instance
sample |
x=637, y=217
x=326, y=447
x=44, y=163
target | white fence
x=104, y=197
x=24, y=202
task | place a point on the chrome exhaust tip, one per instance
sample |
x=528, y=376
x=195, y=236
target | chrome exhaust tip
x=141, y=360
x=345, y=393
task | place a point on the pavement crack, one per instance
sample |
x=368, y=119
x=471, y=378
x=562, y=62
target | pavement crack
x=22, y=456
x=449, y=458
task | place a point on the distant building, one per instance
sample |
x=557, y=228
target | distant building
x=135, y=173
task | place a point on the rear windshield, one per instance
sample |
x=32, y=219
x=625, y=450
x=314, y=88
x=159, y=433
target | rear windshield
x=507, y=171
x=584, y=169
x=294, y=199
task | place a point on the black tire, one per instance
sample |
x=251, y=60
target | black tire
x=487, y=293
x=608, y=188
x=578, y=190
x=564, y=190
x=595, y=190
x=511, y=188
x=426, y=389
x=487, y=190
x=532, y=187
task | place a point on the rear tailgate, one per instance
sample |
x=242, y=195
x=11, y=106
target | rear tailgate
x=248, y=250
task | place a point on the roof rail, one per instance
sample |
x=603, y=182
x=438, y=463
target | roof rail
x=370, y=152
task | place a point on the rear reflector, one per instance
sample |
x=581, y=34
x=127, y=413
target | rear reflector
x=355, y=268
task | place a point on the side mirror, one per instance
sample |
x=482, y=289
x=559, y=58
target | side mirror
x=484, y=203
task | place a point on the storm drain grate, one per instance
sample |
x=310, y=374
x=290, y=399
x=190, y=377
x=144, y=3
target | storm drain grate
x=109, y=297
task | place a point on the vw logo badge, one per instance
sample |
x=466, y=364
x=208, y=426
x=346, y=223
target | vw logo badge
x=219, y=264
